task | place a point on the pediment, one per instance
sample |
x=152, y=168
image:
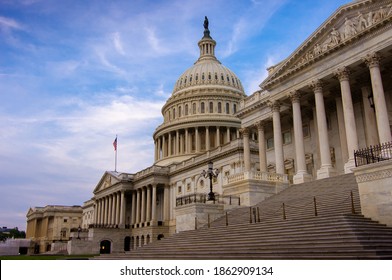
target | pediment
x=108, y=179
x=347, y=25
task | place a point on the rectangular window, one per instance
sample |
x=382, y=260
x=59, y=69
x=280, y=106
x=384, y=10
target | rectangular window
x=270, y=143
x=287, y=137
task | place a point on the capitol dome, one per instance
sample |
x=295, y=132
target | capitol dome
x=200, y=115
x=207, y=70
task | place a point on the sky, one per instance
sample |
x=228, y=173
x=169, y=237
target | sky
x=74, y=74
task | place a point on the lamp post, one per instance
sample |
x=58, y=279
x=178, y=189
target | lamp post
x=79, y=230
x=210, y=173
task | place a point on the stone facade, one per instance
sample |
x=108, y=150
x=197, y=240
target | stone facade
x=51, y=225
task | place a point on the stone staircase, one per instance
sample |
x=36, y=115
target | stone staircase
x=265, y=231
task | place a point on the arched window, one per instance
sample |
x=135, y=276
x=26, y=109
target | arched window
x=179, y=111
x=227, y=108
x=219, y=107
x=211, y=107
x=234, y=108
x=194, y=108
x=174, y=113
x=186, y=110
x=202, y=109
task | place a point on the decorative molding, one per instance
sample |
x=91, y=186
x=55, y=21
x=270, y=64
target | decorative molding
x=342, y=74
x=316, y=86
x=295, y=96
x=372, y=60
x=274, y=105
x=372, y=176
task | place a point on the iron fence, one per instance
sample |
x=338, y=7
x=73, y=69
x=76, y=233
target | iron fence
x=373, y=154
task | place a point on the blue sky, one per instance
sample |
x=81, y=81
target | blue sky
x=73, y=74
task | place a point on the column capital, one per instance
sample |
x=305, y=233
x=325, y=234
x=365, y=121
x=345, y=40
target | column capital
x=372, y=60
x=295, y=96
x=316, y=86
x=274, y=105
x=260, y=125
x=342, y=74
x=244, y=131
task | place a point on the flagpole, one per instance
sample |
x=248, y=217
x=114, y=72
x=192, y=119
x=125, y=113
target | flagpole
x=115, y=154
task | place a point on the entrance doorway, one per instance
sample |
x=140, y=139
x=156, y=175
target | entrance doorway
x=105, y=247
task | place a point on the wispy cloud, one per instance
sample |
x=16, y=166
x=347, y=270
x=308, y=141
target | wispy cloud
x=9, y=23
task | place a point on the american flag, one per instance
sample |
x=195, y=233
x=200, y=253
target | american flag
x=115, y=144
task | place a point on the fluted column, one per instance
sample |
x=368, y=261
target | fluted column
x=122, y=210
x=101, y=219
x=134, y=207
x=113, y=218
x=166, y=203
x=154, y=205
x=262, y=147
x=143, y=206
x=148, y=208
x=169, y=145
x=118, y=209
x=301, y=175
x=278, y=140
x=384, y=131
x=177, y=152
x=326, y=170
x=197, y=140
x=99, y=212
x=227, y=134
x=349, y=118
x=207, y=138
x=105, y=211
x=159, y=148
x=187, y=149
x=245, y=136
x=217, y=137
x=164, y=154
x=137, y=206
x=342, y=129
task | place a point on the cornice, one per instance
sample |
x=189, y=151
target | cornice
x=321, y=43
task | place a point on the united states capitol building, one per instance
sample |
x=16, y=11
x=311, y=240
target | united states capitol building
x=329, y=98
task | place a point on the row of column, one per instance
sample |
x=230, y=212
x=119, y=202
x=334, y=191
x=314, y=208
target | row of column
x=144, y=205
x=188, y=140
x=347, y=126
x=110, y=210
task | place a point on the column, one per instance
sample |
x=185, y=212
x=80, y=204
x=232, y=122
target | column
x=227, y=134
x=169, y=145
x=118, y=205
x=110, y=198
x=326, y=170
x=371, y=132
x=156, y=150
x=166, y=204
x=349, y=118
x=122, y=210
x=217, y=137
x=134, y=207
x=278, y=141
x=105, y=210
x=384, y=132
x=302, y=175
x=113, y=218
x=245, y=136
x=262, y=147
x=342, y=129
x=143, y=206
x=164, y=154
x=154, y=205
x=187, y=149
x=207, y=139
x=159, y=148
x=101, y=211
x=177, y=149
x=148, y=208
x=197, y=140
x=137, y=206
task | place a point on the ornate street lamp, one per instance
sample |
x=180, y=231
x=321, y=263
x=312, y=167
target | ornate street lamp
x=210, y=173
x=79, y=230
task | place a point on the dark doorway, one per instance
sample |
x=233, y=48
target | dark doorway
x=160, y=236
x=127, y=243
x=105, y=247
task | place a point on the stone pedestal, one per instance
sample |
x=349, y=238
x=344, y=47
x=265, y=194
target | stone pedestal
x=375, y=190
